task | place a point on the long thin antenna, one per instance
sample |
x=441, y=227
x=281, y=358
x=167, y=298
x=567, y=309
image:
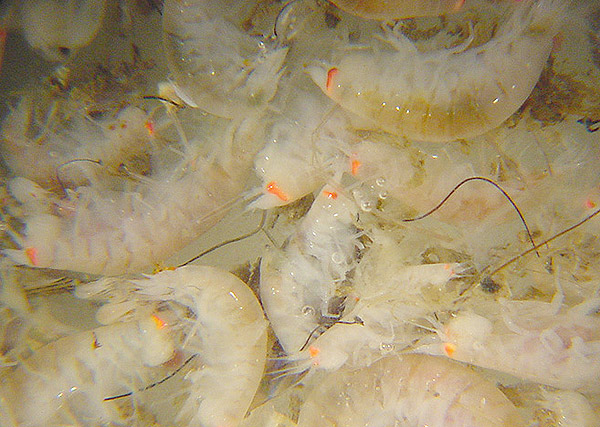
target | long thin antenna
x=489, y=181
x=357, y=321
x=556, y=236
x=159, y=382
x=226, y=242
x=160, y=98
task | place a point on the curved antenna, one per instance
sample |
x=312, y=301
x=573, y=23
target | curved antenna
x=357, y=321
x=556, y=236
x=226, y=242
x=162, y=99
x=159, y=382
x=504, y=193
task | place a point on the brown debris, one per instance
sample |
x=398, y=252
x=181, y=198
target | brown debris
x=556, y=95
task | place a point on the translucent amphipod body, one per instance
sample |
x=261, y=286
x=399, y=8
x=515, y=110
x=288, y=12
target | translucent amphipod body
x=57, y=28
x=398, y=9
x=381, y=320
x=571, y=409
x=101, y=230
x=412, y=391
x=216, y=65
x=49, y=143
x=537, y=341
x=304, y=150
x=228, y=332
x=299, y=283
x=66, y=381
x=446, y=94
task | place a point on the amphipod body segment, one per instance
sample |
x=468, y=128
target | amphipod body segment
x=446, y=94
x=228, y=332
x=411, y=390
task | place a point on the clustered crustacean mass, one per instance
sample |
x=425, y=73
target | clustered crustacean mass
x=426, y=177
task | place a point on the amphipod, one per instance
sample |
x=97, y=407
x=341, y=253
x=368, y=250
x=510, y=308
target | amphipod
x=70, y=148
x=301, y=153
x=57, y=28
x=65, y=382
x=379, y=324
x=104, y=231
x=299, y=283
x=409, y=390
x=216, y=65
x=398, y=9
x=446, y=94
x=535, y=341
x=224, y=326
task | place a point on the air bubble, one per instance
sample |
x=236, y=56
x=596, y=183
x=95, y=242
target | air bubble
x=357, y=194
x=386, y=347
x=337, y=258
x=308, y=310
x=366, y=206
x=383, y=195
x=380, y=181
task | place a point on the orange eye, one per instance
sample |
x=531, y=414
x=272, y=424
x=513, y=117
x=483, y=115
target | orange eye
x=590, y=204
x=330, y=75
x=449, y=349
x=273, y=188
x=354, y=167
x=160, y=323
x=32, y=254
x=314, y=351
x=149, y=125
